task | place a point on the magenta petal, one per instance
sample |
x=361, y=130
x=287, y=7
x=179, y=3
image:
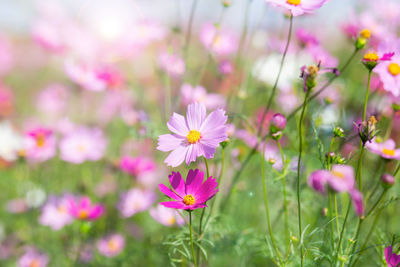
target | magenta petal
x=388, y=254
x=193, y=181
x=174, y=205
x=358, y=204
x=84, y=202
x=168, y=192
x=207, y=190
x=177, y=183
x=387, y=56
x=318, y=179
x=96, y=212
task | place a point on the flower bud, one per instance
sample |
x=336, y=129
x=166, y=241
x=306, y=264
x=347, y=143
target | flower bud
x=224, y=144
x=387, y=180
x=338, y=132
x=370, y=60
x=278, y=123
x=226, y=3
x=362, y=39
x=277, y=135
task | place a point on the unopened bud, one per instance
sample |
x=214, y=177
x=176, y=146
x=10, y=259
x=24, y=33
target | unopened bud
x=278, y=123
x=387, y=180
x=338, y=132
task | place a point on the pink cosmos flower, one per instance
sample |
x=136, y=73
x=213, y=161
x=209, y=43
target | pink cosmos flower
x=32, y=258
x=167, y=217
x=306, y=38
x=220, y=42
x=53, y=99
x=386, y=149
x=225, y=67
x=6, y=55
x=358, y=201
x=134, y=201
x=85, y=76
x=172, y=64
x=83, y=144
x=55, y=213
x=190, y=195
x=194, y=136
x=49, y=36
x=392, y=259
x=82, y=208
x=191, y=94
x=136, y=165
x=298, y=7
x=39, y=144
x=111, y=246
x=6, y=101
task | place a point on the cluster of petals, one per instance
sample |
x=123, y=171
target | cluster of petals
x=39, y=144
x=386, y=149
x=298, y=7
x=82, y=208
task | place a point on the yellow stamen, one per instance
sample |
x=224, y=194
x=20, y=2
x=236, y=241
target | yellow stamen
x=294, y=2
x=394, y=69
x=34, y=263
x=171, y=221
x=189, y=200
x=371, y=56
x=365, y=33
x=193, y=136
x=83, y=214
x=40, y=140
x=112, y=245
x=338, y=174
x=388, y=152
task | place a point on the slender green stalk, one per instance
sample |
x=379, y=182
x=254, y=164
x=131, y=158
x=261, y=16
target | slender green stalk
x=367, y=95
x=299, y=169
x=189, y=29
x=331, y=215
x=267, y=206
x=271, y=97
x=342, y=232
x=191, y=238
x=285, y=204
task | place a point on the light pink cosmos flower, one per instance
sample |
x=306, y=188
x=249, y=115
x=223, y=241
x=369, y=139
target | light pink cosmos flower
x=392, y=259
x=111, y=246
x=6, y=56
x=53, y=99
x=33, y=258
x=190, y=195
x=82, y=144
x=167, y=217
x=218, y=41
x=194, y=136
x=172, y=64
x=191, y=94
x=298, y=7
x=136, y=165
x=84, y=75
x=55, y=213
x=48, y=35
x=82, y=208
x=386, y=149
x=135, y=200
x=39, y=144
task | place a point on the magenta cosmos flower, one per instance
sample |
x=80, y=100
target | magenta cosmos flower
x=194, y=136
x=385, y=149
x=190, y=195
x=39, y=144
x=111, y=246
x=83, y=209
x=136, y=165
x=392, y=259
x=298, y=7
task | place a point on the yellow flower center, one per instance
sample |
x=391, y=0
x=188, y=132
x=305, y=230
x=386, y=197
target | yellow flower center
x=193, y=136
x=171, y=221
x=294, y=2
x=83, y=214
x=337, y=174
x=61, y=209
x=189, y=200
x=394, y=69
x=371, y=56
x=365, y=33
x=34, y=263
x=40, y=140
x=112, y=245
x=388, y=152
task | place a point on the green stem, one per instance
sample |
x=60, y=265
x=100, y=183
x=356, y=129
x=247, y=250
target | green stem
x=299, y=169
x=285, y=204
x=367, y=95
x=267, y=206
x=191, y=238
x=342, y=232
x=189, y=29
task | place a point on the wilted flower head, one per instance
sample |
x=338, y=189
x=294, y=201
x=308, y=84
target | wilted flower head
x=367, y=129
x=165, y=216
x=55, y=213
x=82, y=208
x=33, y=258
x=190, y=195
x=392, y=259
x=386, y=149
x=298, y=7
x=82, y=144
x=194, y=136
x=39, y=144
x=135, y=200
x=112, y=245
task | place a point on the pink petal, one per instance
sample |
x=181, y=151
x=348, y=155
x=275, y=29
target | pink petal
x=214, y=120
x=168, y=192
x=195, y=115
x=207, y=190
x=177, y=183
x=177, y=124
x=168, y=142
x=193, y=181
x=177, y=156
x=174, y=205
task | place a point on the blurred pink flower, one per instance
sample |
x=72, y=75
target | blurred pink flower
x=17, y=205
x=320, y=55
x=6, y=101
x=33, y=258
x=340, y=179
x=358, y=201
x=298, y=7
x=39, y=144
x=193, y=136
x=6, y=56
x=49, y=36
x=199, y=94
x=82, y=208
x=306, y=38
x=392, y=259
x=190, y=195
x=167, y=217
x=386, y=149
x=112, y=245
x=172, y=64
x=55, y=213
x=53, y=99
x=84, y=75
x=218, y=41
x=225, y=67
x=136, y=165
x=83, y=144
x=135, y=200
